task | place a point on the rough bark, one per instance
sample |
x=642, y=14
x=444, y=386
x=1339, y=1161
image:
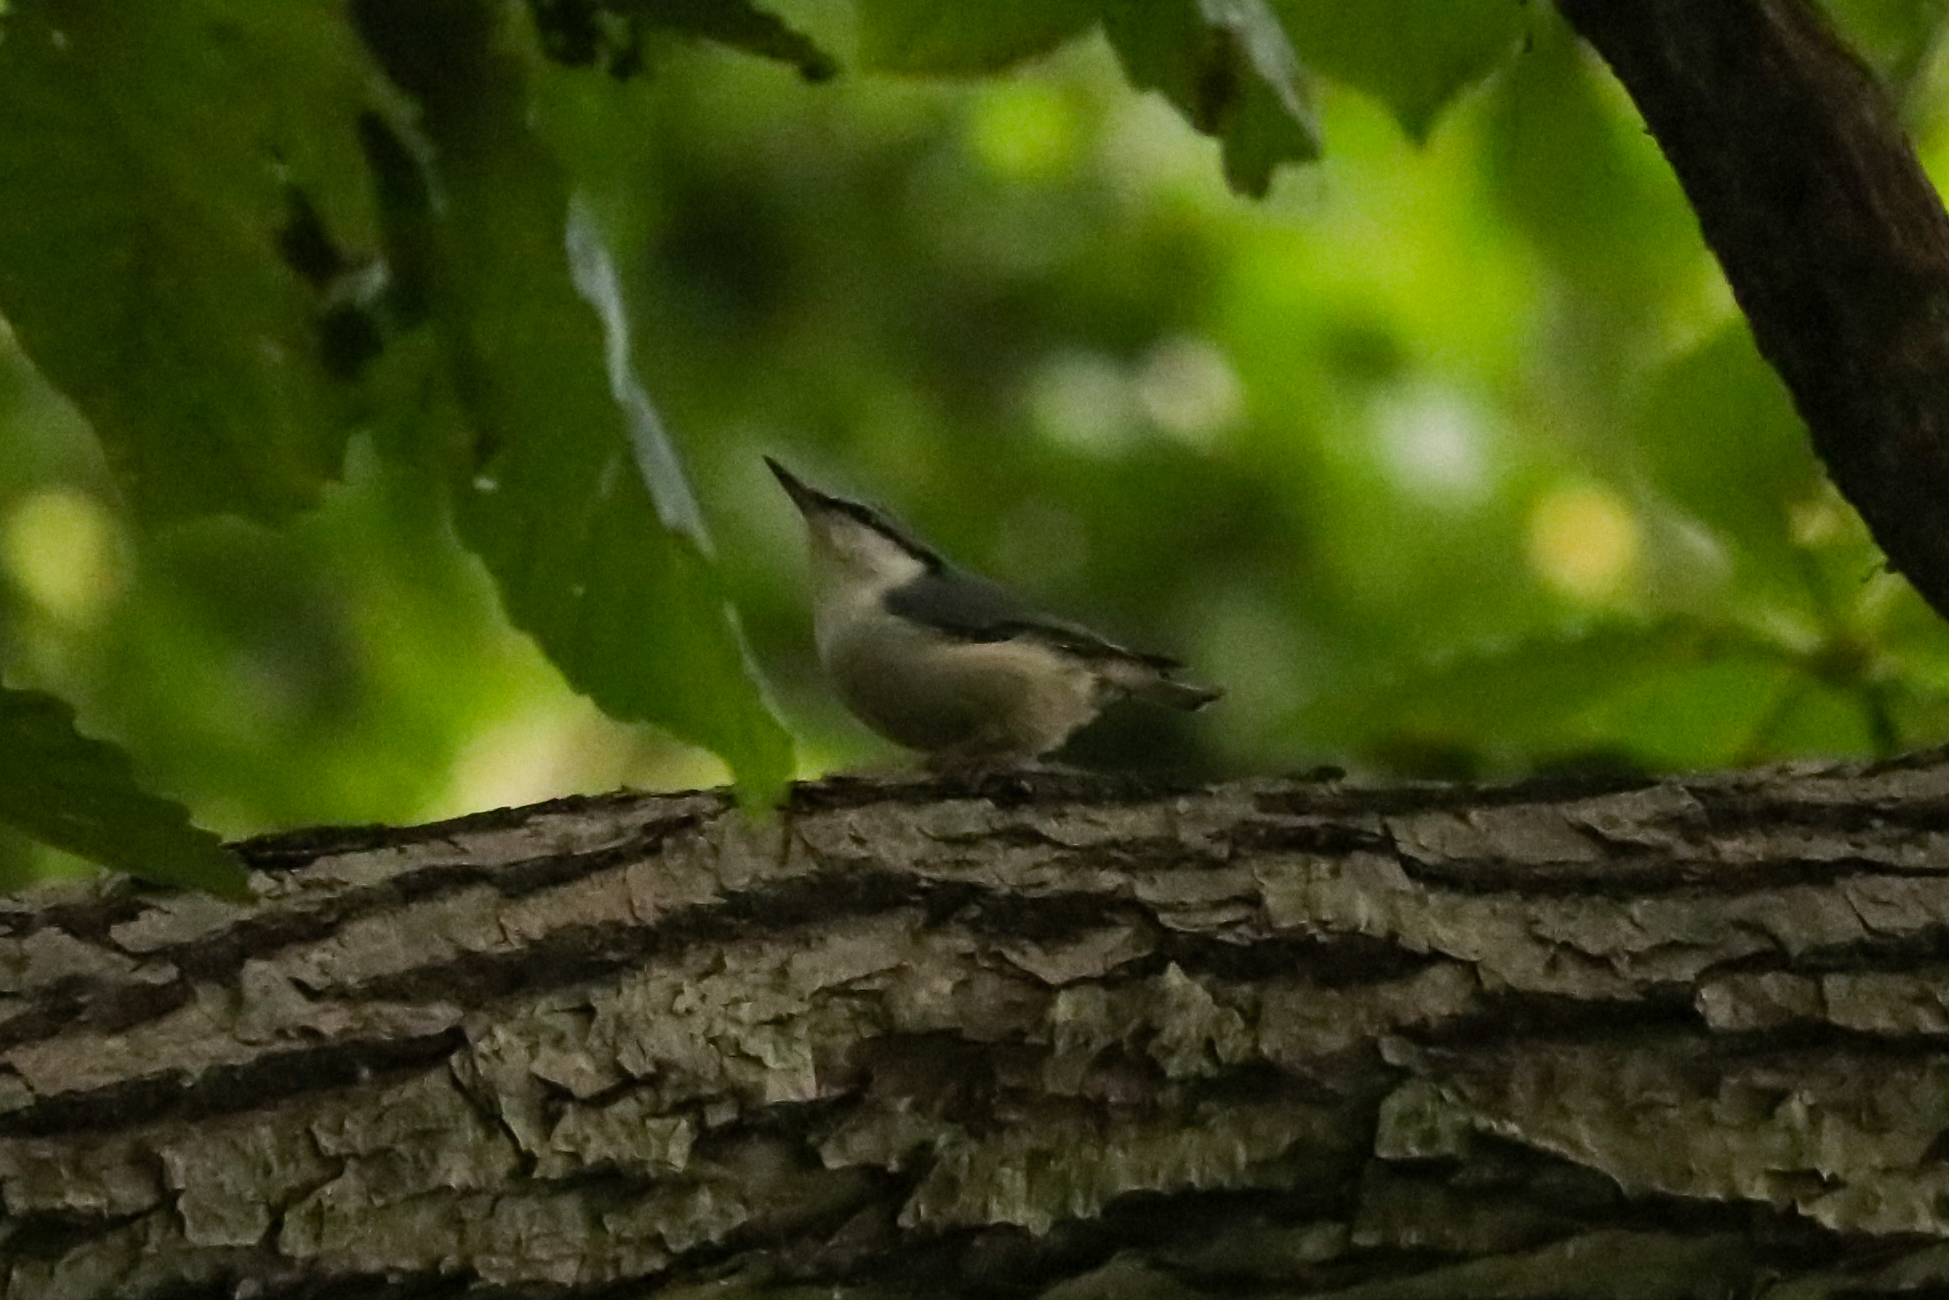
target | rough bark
x=1056, y=1035
x=1831, y=235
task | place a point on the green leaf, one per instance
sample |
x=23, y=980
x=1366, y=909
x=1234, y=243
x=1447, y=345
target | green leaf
x=1896, y=37
x=965, y=39
x=1584, y=694
x=1575, y=171
x=569, y=490
x=1413, y=55
x=738, y=24
x=610, y=33
x=1718, y=436
x=152, y=155
x=1231, y=71
x=78, y=794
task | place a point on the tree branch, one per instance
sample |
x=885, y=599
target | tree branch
x=1290, y=1034
x=1833, y=238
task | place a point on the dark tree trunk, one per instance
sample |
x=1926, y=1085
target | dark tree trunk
x=1061, y=1035
x=1832, y=237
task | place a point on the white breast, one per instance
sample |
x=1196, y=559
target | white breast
x=931, y=692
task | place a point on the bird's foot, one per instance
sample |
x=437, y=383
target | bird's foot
x=1003, y=778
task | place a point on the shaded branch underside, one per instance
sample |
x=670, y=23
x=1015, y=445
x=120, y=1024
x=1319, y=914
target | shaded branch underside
x=1058, y=1032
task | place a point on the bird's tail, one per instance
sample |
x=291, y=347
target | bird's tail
x=1147, y=678
x=1175, y=695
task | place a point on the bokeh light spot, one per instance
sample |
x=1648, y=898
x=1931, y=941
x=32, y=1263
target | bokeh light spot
x=1584, y=542
x=59, y=547
x=1023, y=131
x=1431, y=442
x=1188, y=388
x=1083, y=400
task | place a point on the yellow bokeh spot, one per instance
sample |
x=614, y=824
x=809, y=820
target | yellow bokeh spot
x=1023, y=130
x=1584, y=542
x=59, y=547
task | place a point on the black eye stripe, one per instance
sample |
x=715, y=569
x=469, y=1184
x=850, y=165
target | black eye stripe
x=868, y=517
x=864, y=514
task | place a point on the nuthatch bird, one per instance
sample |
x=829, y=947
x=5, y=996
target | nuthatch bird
x=949, y=663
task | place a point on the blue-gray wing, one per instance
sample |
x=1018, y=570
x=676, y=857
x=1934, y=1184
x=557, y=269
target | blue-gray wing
x=963, y=606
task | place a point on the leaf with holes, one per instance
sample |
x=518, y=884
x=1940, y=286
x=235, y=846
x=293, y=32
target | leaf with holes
x=153, y=155
x=568, y=487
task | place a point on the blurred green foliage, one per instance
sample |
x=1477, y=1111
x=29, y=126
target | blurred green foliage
x=1452, y=456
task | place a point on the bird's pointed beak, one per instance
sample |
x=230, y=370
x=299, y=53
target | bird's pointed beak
x=807, y=499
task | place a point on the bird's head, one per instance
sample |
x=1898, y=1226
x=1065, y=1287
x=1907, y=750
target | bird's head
x=854, y=545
